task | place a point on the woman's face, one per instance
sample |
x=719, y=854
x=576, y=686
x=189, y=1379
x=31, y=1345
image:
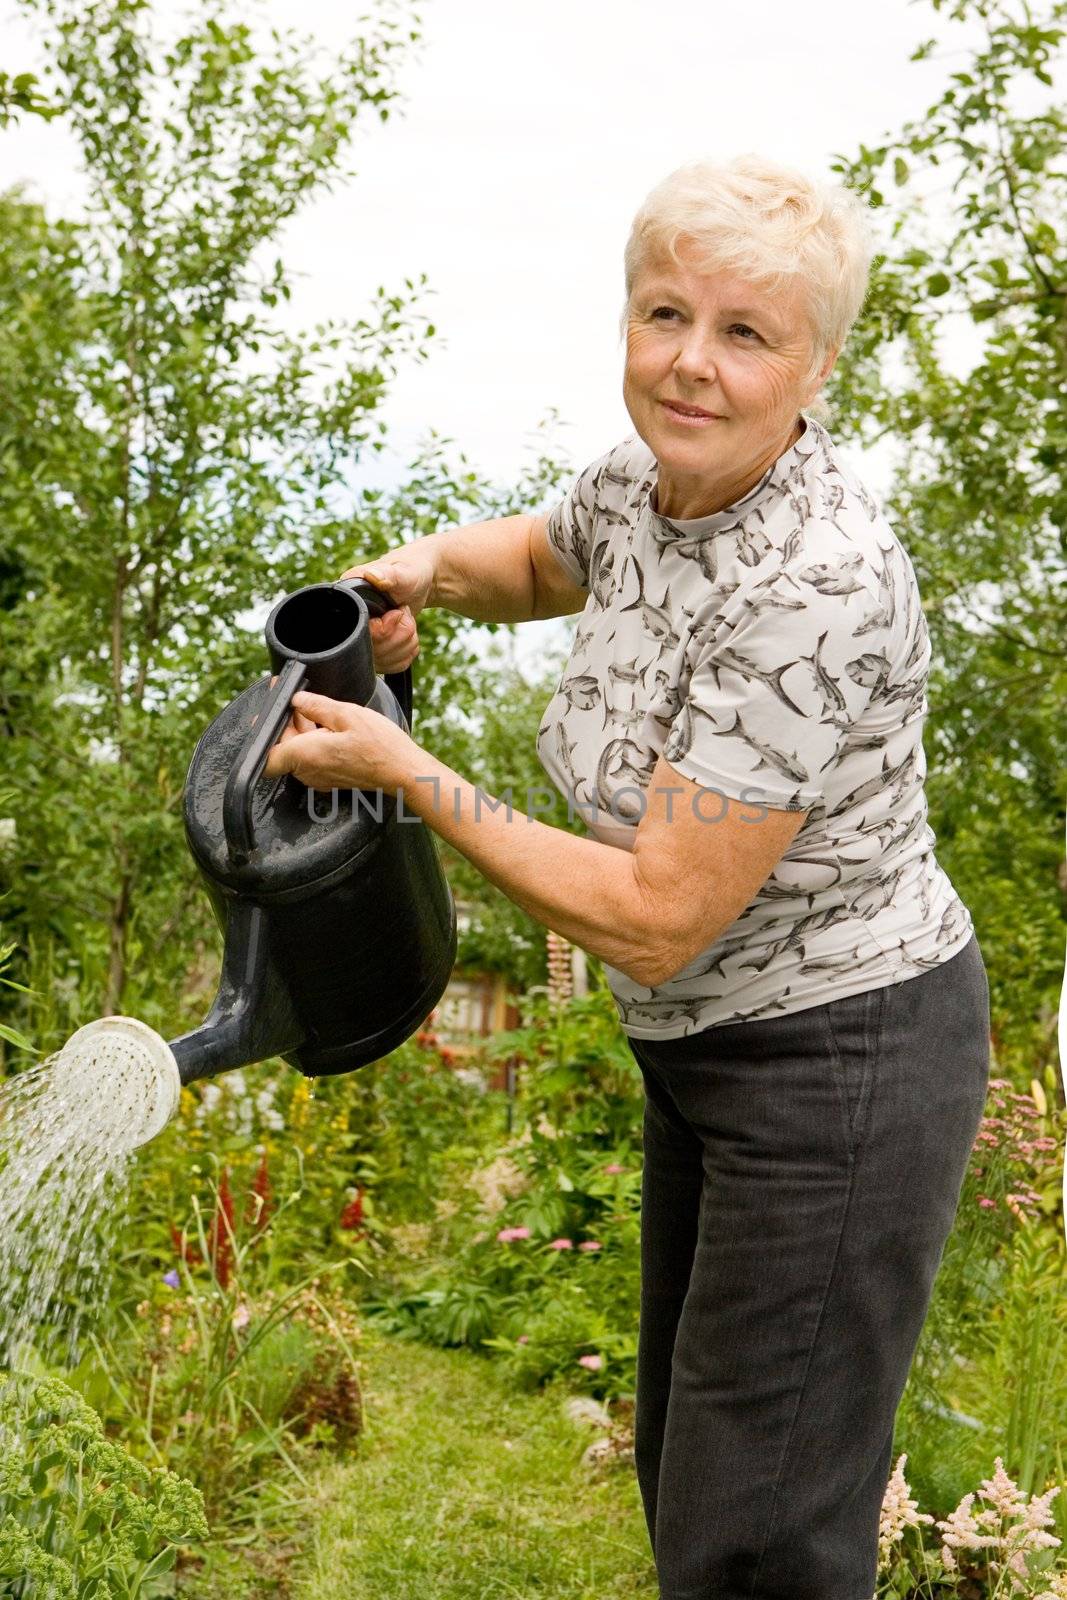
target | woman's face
x=720, y=345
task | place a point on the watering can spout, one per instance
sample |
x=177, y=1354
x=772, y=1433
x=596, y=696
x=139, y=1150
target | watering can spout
x=252, y=1016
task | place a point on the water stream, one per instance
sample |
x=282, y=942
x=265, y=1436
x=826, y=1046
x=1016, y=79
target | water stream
x=68, y=1130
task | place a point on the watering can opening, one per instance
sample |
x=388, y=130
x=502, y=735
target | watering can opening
x=317, y=621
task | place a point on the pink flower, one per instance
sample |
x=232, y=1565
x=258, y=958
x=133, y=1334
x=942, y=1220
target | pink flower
x=591, y=1363
x=614, y=1167
x=589, y=1244
x=524, y=1338
x=561, y=1244
x=506, y=1235
x=985, y=1202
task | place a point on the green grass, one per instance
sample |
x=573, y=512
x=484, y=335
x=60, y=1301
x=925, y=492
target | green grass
x=464, y=1490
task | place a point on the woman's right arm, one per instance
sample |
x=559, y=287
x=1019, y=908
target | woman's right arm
x=497, y=571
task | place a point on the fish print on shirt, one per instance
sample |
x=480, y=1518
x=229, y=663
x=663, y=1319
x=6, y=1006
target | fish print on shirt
x=774, y=652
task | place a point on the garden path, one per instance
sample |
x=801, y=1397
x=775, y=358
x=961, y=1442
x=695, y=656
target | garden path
x=463, y=1489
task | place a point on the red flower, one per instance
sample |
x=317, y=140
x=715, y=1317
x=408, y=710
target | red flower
x=260, y=1197
x=352, y=1216
x=220, y=1242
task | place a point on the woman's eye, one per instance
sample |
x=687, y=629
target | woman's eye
x=664, y=311
x=743, y=327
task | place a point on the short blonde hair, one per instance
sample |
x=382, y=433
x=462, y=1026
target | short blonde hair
x=767, y=223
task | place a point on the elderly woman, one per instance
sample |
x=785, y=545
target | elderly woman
x=740, y=724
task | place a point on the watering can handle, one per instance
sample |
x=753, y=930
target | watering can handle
x=237, y=799
x=378, y=603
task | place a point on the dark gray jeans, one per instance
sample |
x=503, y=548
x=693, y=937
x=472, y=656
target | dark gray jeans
x=802, y=1174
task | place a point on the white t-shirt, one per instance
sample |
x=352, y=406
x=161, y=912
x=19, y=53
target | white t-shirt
x=775, y=652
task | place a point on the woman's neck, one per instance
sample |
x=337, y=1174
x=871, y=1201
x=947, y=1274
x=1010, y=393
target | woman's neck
x=690, y=499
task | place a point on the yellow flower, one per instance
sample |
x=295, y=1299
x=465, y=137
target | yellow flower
x=298, y=1106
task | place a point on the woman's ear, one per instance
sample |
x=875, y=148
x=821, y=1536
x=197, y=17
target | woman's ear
x=824, y=372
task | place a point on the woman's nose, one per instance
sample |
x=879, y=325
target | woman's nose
x=695, y=360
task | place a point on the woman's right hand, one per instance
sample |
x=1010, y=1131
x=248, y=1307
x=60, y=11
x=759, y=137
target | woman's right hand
x=406, y=576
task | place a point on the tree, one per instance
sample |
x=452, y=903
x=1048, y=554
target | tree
x=21, y=96
x=973, y=196
x=174, y=460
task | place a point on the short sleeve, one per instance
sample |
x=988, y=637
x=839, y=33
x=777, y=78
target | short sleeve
x=570, y=524
x=770, y=708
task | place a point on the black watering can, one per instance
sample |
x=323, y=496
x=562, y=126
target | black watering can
x=339, y=926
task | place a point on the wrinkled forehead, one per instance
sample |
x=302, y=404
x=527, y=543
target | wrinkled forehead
x=780, y=301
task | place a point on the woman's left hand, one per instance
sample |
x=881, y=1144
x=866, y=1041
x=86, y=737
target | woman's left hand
x=331, y=744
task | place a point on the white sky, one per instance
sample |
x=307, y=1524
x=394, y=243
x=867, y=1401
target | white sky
x=527, y=139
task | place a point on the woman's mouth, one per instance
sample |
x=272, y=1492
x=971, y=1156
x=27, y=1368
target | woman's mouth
x=689, y=416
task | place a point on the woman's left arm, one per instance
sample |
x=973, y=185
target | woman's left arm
x=698, y=858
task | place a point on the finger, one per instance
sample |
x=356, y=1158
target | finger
x=324, y=712
x=281, y=758
x=373, y=573
x=392, y=623
x=387, y=576
x=295, y=727
x=299, y=723
x=394, y=627
x=396, y=662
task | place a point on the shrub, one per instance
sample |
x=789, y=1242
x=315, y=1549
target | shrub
x=220, y=1370
x=80, y=1519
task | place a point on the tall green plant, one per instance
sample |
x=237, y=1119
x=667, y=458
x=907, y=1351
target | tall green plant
x=972, y=203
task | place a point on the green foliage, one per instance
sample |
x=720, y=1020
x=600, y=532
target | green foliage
x=166, y=444
x=984, y=1378
x=502, y=760
x=229, y=1347
x=21, y=96
x=175, y=460
x=218, y=1373
x=79, y=1517
x=11, y=1035
x=974, y=229
x=1025, y=1358
x=535, y=1252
